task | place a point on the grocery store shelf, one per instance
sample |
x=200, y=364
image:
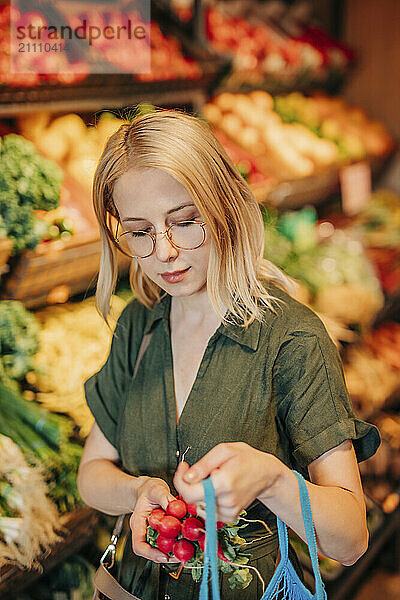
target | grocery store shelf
x=80, y=527
x=107, y=90
x=315, y=189
x=331, y=85
x=87, y=98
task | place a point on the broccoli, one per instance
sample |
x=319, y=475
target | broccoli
x=28, y=181
x=19, y=342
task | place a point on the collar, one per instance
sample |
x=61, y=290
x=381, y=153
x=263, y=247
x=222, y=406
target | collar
x=159, y=311
x=245, y=337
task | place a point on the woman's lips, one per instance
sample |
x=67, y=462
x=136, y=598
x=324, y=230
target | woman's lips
x=174, y=277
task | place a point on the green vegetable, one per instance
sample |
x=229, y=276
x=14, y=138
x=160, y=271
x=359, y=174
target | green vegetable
x=19, y=342
x=43, y=437
x=28, y=181
x=318, y=264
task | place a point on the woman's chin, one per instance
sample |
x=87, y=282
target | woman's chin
x=182, y=289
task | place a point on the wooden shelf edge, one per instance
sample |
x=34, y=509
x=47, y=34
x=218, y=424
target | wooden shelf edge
x=316, y=188
x=80, y=526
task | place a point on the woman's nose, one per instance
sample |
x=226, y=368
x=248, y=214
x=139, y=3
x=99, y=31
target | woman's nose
x=165, y=251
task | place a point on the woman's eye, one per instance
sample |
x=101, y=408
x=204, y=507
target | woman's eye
x=184, y=223
x=137, y=234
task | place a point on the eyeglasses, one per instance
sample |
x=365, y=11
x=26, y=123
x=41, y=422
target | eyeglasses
x=185, y=235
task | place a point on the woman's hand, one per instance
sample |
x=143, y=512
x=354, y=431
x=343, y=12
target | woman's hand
x=239, y=472
x=152, y=493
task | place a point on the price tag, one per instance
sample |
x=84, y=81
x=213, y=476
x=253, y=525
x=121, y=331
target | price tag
x=355, y=185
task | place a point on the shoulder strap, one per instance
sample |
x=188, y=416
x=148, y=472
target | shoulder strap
x=110, y=550
x=107, y=586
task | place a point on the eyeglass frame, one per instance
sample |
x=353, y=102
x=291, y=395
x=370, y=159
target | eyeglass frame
x=153, y=237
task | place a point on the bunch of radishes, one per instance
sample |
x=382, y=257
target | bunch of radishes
x=179, y=532
x=174, y=530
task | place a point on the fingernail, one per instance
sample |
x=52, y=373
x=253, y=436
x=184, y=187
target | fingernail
x=190, y=476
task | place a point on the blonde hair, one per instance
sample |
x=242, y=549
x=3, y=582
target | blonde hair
x=185, y=147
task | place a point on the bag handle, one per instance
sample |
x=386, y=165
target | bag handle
x=210, y=550
x=310, y=534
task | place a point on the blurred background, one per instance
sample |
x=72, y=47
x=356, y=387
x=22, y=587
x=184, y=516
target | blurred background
x=305, y=98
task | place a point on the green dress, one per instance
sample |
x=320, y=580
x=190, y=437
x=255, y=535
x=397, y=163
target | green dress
x=278, y=386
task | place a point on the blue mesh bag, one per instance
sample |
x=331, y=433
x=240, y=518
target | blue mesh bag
x=285, y=584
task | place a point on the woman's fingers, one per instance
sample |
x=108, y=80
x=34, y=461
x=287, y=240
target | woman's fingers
x=209, y=463
x=140, y=546
x=157, y=493
x=191, y=492
x=153, y=494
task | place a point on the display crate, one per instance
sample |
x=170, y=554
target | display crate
x=79, y=529
x=98, y=91
x=316, y=188
x=5, y=251
x=55, y=270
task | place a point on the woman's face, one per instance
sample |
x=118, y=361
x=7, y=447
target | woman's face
x=151, y=200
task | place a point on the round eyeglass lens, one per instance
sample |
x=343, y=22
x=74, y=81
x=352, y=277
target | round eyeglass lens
x=136, y=243
x=186, y=235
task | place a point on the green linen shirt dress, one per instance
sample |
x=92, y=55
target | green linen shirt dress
x=278, y=386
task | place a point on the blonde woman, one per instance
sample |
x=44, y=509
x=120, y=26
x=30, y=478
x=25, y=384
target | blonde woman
x=235, y=367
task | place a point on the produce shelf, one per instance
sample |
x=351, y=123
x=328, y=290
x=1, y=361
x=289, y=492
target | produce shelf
x=98, y=91
x=80, y=527
x=55, y=270
x=331, y=85
x=315, y=189
x=98, y=96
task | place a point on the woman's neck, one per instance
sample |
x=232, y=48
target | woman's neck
x=193, y=310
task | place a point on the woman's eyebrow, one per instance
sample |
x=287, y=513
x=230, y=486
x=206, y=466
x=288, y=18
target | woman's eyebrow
x=168, y=213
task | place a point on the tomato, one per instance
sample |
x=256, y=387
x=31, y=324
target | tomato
x=155, y=517
x=165, y=544
x=169, y=526
x=183, y=550
x=177, y=508
x=192, y=528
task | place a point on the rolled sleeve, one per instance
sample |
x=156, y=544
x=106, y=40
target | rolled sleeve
x=314, y=406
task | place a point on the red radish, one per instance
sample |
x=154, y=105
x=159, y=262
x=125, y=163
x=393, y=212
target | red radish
x=183, y=550
x=169, y=526
x=192, y=509
x=177, y=508
x=221, y=555
x=191, y=528
x=155, y=517
x=165, y=544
